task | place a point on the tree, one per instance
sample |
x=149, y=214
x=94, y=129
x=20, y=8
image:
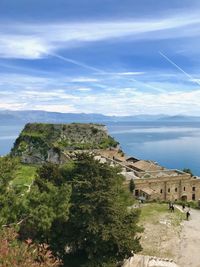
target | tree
x=100, y=227
x=80, y=211
x=188, y=171
x=47, y=208
x=11, y=202
x=131, y=186
x=8, y=167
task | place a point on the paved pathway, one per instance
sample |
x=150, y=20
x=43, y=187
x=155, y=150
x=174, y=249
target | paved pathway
x=189, y=254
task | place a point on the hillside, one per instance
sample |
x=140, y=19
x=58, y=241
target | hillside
x=39, y=142
x=9, y=117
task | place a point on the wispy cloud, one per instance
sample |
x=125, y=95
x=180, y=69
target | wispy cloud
x=125, y=73
x=82, y=80
x=77, y=63
x=33, y=41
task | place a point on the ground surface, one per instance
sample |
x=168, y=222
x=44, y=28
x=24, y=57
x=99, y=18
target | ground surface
x=189, y=246
x=162, y=230
x=169, y=235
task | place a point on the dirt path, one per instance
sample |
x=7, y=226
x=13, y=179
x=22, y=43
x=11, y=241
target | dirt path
x=189, y=254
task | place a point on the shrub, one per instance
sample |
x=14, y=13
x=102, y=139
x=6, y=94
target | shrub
x=22, y=254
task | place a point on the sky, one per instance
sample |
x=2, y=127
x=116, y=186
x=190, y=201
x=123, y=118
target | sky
x=112, y=57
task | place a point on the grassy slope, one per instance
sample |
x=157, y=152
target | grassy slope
x=24, y=175
x=162, y=230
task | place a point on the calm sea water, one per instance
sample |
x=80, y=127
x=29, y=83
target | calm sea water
x=173, y=145
x=8, y=134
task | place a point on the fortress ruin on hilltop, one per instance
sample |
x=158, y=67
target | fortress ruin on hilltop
x=58, y=143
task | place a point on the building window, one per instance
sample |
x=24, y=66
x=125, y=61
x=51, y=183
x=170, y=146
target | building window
x=193, y=188
x=193, y=196
x=161, y=191
x=184, y=188
x=176, y=189
x=168, y=190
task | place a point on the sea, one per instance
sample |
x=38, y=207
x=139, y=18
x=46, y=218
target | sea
x=175, y=145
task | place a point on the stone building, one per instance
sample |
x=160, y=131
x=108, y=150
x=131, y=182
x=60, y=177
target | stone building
x=154, y=182
x=167, y=185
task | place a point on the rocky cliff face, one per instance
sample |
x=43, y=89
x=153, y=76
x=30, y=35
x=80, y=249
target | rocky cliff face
x=56, y=143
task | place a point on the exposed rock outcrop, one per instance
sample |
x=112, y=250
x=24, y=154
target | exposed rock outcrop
x=148, y=261
x=56, y=143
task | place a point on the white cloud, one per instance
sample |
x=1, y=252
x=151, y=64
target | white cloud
x=56, y=94
x=84, y=89
x=125, y=101
x=9, y=105
x=127, y=73
x=33, y=41
x=82, y=80
x=64, y=108
x=21, y=46
x=52, y=95
x=130, y=73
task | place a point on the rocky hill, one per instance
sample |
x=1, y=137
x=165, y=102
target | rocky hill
x=20, y=117
x=39, y=142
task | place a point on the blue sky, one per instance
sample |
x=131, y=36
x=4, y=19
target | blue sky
x=100, y=56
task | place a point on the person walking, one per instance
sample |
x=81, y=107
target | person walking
x=172, y=208
x=187, y=214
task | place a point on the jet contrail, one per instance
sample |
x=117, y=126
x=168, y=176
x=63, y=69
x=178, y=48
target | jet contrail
x=160, y=90
x=83, y=65
x=179, y=68
x=77, y=63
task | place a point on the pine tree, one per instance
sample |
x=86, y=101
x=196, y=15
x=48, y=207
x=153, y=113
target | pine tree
x=131, y=186
x=100, y=227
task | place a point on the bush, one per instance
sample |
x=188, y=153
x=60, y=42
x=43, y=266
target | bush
x=22, y=254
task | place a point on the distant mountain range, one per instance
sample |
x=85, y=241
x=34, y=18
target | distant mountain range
x=8, y=117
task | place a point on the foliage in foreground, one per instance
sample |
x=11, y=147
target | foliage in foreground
x=131, y=186
x=10, y=199
x=80, y=211
x=22, y=254
x=47, y=208
x=99, y=224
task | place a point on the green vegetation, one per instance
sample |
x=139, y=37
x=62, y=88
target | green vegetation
x=47, y=208
x=14, y=253
x=162, y=228
x=81, y=206
x=146, y=176
x=191, y=204
x=11, y=200
x=131, y=186
x=152, y=211
x=37, y=140
x=108, y=142
x=24, y=175
x=100, y=228
x=188, y=171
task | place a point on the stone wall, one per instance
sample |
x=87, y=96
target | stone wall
x=170, y=188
